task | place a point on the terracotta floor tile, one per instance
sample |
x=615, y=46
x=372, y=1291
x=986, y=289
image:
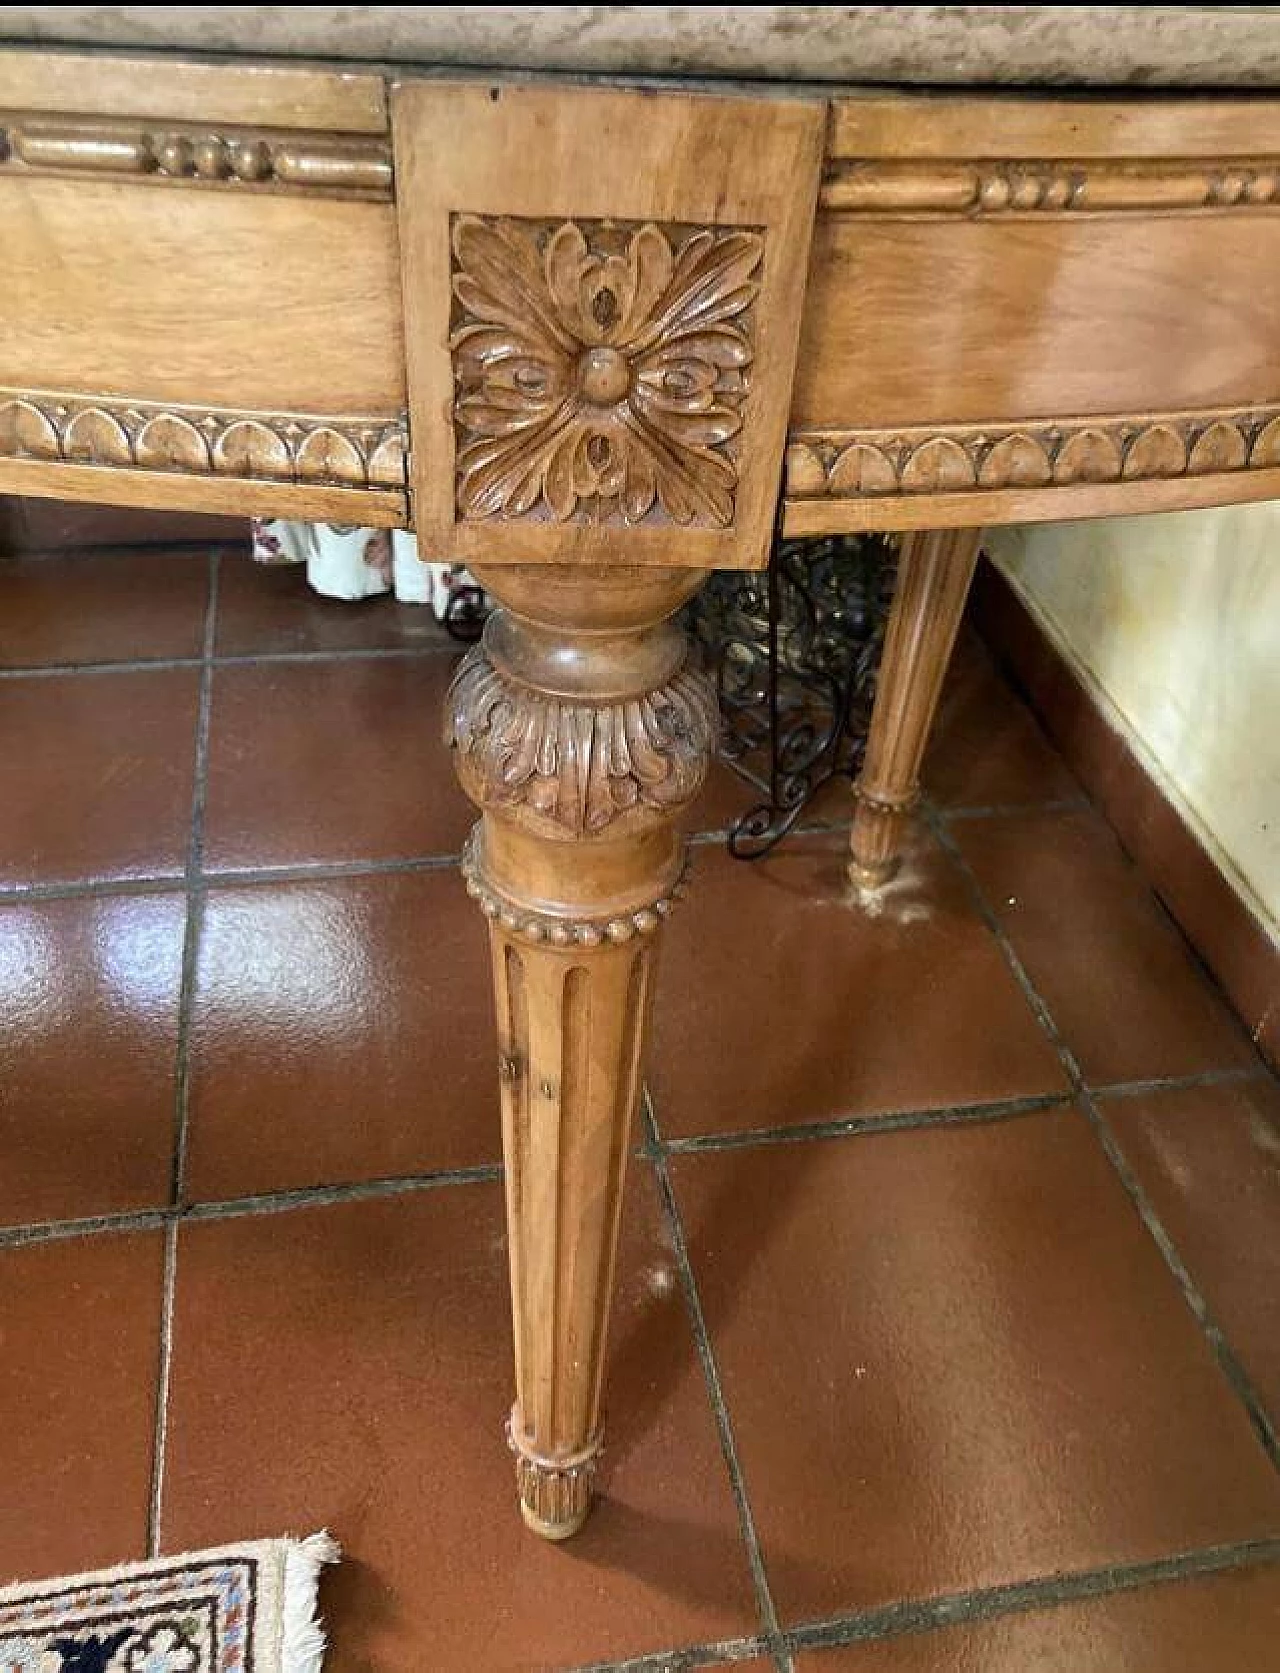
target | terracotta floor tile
x=987, y=749
x=1225, y=1623
x=349, y=1366
x=95, y=775
x=88, y=1037
x=331, y=761
x=80, y=1335
x=783, y=999
x=954, y=1358
x=1209, y=1160
x=264, y=609
x=341, y=1031
x=102, y=607
x=1119, y=980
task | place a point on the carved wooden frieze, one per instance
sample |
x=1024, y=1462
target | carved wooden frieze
x=853, y=186
x=331, y=163
x=601, y=368
x=579, y=766
x=866, y=463
x=296, y=448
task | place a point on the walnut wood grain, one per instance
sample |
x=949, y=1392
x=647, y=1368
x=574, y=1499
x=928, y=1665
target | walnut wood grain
x=581, y=732
x=903, y=125
x=347, y=100
x=226, y=299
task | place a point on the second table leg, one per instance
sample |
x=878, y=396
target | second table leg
x=934, y=572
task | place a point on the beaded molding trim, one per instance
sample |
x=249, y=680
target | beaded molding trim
x=178, y=153
x=546, y=929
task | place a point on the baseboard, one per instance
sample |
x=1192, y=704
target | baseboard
x=1235, y=946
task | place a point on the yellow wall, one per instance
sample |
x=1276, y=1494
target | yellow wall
x=1173, y=623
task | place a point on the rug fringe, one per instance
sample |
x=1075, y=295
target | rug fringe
x=302, y=1644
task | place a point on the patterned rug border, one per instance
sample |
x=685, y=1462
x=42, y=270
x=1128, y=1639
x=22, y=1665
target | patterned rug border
x=243, y=1608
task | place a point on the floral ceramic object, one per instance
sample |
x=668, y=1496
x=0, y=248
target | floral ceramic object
x=346, y=561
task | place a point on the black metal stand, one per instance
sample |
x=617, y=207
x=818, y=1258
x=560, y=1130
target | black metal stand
x=795, y=652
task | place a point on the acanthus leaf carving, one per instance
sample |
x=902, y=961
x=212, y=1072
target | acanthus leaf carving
x=579, y=766
x=601, y=369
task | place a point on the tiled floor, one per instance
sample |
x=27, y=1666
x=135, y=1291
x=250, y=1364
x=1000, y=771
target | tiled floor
x=947, y=1325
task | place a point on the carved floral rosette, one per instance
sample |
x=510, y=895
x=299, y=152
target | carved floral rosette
x=579, y=766
x=601, y=369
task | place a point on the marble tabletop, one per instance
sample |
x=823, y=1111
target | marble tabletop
x=1058, y=46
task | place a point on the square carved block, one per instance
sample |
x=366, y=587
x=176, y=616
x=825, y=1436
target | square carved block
x=602, y=302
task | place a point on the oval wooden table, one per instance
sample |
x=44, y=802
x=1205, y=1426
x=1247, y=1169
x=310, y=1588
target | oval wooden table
x=583, y=337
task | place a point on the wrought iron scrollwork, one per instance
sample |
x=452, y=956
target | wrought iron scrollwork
x=795, y=652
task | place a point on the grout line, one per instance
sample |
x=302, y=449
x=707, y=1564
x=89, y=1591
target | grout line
x=186, y=988
x=715, y=1391
x=891, y=1121
x=322, y=870
x=725, y=1653
x=227, y=1208
x=1181, y=1083
x=1022, y=1596
x=305, y=1196
x=882, y=1122
x=88, y=1225
x=161, y=1437
x=168, y=664
x=307, y=872
x=1229, y=1362
x=321, y=1196
x=22, y=894
x=195, y=861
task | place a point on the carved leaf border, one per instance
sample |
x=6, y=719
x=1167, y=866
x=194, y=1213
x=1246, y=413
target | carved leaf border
x=580, y=766
x=294, y=448
x=973, y=458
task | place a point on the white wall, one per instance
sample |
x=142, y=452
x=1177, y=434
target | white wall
x=1173, y=623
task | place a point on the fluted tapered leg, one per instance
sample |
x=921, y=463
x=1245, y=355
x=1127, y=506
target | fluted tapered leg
x=934, y=572
x=580, y=733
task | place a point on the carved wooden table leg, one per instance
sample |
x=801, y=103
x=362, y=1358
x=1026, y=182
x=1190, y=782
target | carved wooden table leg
x=580, y=733
x=933, y=579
